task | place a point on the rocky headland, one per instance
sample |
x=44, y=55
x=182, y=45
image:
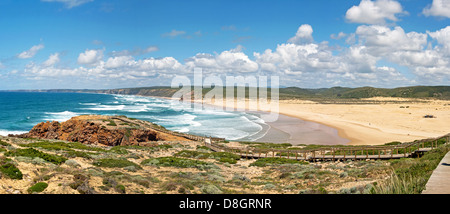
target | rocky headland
x=102, y=130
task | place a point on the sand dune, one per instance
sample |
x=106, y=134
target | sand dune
x=374, y=124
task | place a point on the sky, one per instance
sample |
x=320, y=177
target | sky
x=102, y=44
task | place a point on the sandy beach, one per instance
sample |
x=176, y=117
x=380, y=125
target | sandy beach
x=375, y=124
x=391, y=119
x=288, y=129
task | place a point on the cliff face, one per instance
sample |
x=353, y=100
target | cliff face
x=97, y=130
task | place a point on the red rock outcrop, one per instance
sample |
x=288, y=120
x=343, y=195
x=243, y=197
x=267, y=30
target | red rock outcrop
x=89, y=132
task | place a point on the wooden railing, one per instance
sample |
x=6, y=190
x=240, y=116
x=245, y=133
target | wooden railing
x=328, y=153
x=334, y=153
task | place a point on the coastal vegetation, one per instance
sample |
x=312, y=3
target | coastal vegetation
x=41, y=166
x=190, y=167
x=410, y=175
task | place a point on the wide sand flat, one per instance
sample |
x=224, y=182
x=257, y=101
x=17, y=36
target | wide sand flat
x=374, y=124
x=387, y=120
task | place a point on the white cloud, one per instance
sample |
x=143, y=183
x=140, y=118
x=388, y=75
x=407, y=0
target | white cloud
x=438, y=8
x=443, y=38
x=339, y=36
x=119, y=61
x=234, y=61
x=303, y=35
x=374, y=12
x=173, y=33
x=31, y=52
x=52, y=60
x=379, y=56
x=381, y=39
x=90, y=57
x=70, y=3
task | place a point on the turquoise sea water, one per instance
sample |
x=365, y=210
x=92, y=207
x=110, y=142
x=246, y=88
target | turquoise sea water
x=20, y=111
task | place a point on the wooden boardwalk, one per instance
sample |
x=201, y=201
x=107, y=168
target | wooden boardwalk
x=337, y=153
x=439, y=182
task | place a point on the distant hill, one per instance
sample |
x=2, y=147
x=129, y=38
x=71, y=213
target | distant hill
x=437, y=92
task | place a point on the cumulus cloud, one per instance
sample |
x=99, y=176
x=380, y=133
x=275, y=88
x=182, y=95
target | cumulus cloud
x=303, y=35
x=381, y=39
x=52, y=60
x=443, y=38
x=70, y=3
x=233, y=60
x=374, y=12
x=31, y=52
x=438, y=8
x=90, y=57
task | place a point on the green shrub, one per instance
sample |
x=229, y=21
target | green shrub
x=411, y=175
x=32, y=153
x=112, y=163
x=175, y=162
x=11, y=171
x=111, y=123
x=224, y=157
x=268, y=145
x=3, y=143
x=278, y=161
x=118, y=150
x=62, y=146
x=120, y=188
x=73, y=154
x=38, y=187
x=211, y=189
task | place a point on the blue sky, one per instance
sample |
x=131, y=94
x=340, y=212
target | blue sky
x=321, y=43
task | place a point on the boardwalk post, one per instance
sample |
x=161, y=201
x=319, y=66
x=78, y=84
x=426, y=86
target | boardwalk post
x=334, y=153
x=392, y=153
x=273, y=153
x=296, y=155
x=288, y=154
x=378, y=154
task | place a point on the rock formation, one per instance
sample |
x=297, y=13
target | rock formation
x=97, y=130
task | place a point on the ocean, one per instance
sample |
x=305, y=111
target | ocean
x=20, y=111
